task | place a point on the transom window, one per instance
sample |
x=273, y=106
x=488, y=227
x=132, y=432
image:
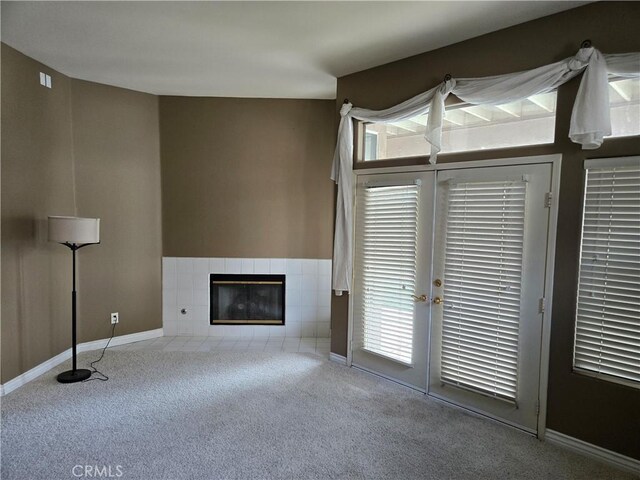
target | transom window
x=483, y=127
x=467, y=128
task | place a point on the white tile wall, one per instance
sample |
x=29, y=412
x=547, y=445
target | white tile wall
x=185, y=286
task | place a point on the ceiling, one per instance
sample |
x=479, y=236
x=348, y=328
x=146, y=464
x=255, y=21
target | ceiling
x=245, y=49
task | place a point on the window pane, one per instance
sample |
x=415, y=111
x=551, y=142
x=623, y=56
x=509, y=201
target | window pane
x=624, y=98
x=469, y=127
x=385, y=261
x=370, y=146
x=398, y=139
x=484, y=242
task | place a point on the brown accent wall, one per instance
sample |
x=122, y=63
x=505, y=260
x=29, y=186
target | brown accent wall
x=117, y=153
x=596, y=411
x=37, y=181
x=247, y=177
x=113, y=135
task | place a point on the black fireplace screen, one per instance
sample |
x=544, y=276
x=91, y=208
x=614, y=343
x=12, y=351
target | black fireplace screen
x=247, y=299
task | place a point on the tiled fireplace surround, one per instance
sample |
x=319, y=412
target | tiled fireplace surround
x=185, y=285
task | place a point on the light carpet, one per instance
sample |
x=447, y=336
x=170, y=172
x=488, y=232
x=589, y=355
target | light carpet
x=179, y=415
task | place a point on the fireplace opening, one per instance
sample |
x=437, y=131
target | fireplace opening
x=247, y=299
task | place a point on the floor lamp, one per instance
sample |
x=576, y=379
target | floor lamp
x=75, y=233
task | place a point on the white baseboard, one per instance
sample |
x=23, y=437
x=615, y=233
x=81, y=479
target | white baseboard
x=44, y=367
x=593, y=451
x=120, y=340
x=334, y=357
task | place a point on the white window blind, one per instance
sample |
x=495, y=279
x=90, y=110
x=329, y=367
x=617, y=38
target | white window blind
x=482, y=286
x=386, y=239
x=607, y=338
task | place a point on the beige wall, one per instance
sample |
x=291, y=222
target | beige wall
x=247, y=177
x=37, y=180
x=117, y=152
x=113, y=136
x=599, y=412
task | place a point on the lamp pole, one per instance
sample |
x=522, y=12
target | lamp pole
x=74, y=375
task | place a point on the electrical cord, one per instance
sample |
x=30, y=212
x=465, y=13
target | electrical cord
x=94, y=370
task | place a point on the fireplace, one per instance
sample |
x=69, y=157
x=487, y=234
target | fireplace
x=247, y=299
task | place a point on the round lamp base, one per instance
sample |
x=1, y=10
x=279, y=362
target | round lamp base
x=72, y=376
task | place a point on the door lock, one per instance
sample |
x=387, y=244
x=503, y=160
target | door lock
x=438, y=300
x=437, y=282
x=421, y=298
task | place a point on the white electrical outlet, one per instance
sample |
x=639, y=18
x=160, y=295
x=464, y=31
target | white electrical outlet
x=114, y=318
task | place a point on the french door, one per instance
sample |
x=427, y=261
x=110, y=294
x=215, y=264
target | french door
x=391, y=286
x=449, y=276
x=488, y=288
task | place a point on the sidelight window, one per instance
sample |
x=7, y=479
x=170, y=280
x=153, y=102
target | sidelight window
x=607, y=336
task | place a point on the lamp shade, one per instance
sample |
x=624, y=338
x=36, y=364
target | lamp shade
x=74, y=230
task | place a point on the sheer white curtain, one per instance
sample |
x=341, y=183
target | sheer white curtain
x=590, y=122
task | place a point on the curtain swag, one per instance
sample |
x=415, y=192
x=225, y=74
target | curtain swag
x=590, y=122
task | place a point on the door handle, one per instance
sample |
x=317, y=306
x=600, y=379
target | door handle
x=421, y=298
x=438, y=300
